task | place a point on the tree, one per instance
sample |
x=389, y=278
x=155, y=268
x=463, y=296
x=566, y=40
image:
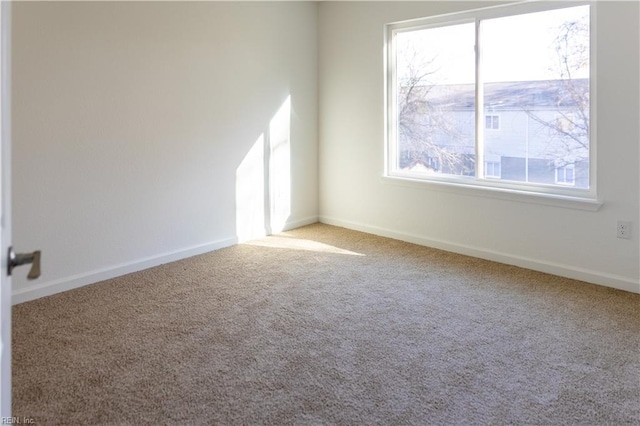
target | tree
x=422, y=120
x=569, y=130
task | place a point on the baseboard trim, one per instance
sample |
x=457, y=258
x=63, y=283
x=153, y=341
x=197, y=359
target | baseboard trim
x=289, y=225
x=69, y=283
x=590, y=276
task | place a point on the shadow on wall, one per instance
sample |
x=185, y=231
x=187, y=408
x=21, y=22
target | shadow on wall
x=263, y=180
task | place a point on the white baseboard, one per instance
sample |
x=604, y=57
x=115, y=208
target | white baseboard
x=69, y=283
x=300, y=222
x=590, y=276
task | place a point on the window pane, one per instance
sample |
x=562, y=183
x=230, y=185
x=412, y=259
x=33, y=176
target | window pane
x=436, y=100
x=569, y=175
x=537, y=78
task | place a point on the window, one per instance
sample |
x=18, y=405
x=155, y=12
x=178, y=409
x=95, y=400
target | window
x=492, y=122
x=454, y=80
x=492, y=169
x=565, y=175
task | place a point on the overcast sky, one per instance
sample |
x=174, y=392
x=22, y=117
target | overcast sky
x=515, y=48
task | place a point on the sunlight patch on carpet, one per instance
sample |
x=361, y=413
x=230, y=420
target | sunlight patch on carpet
x=299, y=244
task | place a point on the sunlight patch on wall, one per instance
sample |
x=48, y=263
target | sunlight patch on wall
x=263, y=180
x=280, y=167
x=300, y=244
x=250, y=184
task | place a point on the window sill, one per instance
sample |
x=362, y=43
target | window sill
x=478, y=190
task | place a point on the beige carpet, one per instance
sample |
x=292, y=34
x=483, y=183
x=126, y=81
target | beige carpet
x=323, y=325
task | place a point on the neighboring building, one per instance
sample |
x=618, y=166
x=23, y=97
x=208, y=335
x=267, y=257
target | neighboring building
x=536, y=131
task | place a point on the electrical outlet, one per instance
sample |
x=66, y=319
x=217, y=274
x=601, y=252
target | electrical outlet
x=624, y=230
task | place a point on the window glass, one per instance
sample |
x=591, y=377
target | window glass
x=538, y=77
x=435, y=83
x=525, y=77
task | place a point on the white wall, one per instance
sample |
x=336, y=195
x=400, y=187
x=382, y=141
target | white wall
x=131, y=121
x=565, y=241
x=133, y=124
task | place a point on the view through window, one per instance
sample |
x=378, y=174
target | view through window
x=503, y=98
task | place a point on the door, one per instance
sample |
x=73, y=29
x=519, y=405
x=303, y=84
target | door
x=10, y=259
x=5, y=215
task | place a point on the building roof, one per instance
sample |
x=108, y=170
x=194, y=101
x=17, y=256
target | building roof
x=510, y=95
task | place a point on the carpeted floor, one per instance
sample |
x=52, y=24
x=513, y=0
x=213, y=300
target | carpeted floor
x=323, y=325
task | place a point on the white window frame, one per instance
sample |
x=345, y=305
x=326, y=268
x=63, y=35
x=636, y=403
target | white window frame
x=561, y=195
x=487, y=115
x=493, y=164
x=561, y=175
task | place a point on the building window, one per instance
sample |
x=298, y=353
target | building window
x=492, y=122
x=566, y=175
x=452, y=79
x=492, y=169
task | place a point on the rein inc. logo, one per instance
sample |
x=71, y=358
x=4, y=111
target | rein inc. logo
x=17, y=420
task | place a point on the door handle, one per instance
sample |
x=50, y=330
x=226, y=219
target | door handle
x=17, y=259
